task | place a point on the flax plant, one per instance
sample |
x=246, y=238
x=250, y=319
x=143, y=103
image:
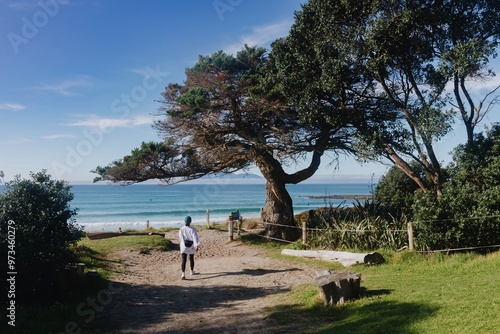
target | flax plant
x=356, y=228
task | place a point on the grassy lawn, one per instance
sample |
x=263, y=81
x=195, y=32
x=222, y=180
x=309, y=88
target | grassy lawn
x=410, y=293
x=62, y=316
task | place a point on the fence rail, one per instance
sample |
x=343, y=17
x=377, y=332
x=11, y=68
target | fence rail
x=409, y=231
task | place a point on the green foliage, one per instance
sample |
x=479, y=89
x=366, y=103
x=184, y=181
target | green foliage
x=38, y=210
x=152, y=160
x=379, y=69
x=363, y=77
x=468, y=212
x=395, y=191
x=357, y=228
x=211, y=122
x=194, y=101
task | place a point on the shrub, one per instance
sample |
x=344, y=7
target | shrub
x=39, y=211
x=468, y=212
x=395, y=191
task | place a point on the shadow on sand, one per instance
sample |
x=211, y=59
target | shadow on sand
x=130, y=309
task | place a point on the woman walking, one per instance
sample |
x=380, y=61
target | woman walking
x=189, y=242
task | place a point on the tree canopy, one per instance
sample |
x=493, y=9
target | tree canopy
x=367, y=78
x=227, y=116
x=398, y=59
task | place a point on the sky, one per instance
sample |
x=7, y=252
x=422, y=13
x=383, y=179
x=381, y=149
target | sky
x=80, y=79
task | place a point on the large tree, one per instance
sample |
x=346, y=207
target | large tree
x=229, y=115
x=404, y=54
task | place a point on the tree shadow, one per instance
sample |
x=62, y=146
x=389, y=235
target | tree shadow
x=92, y=256
x=380, y=317
x=358, y=317
x=365, y=293
x=125, y=308
x=250, y=272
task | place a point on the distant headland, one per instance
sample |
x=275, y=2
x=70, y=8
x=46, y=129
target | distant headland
x=357, y=197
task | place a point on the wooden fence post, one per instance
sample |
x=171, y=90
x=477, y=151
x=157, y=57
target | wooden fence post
x=208, y=218
x=304, y=232
x=410, y=236
x=230, y=228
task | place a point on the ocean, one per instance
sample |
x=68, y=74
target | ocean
x=110, y=207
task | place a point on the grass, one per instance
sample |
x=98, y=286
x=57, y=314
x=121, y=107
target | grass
x=411, y=293
x=130, y=241
x=91, y=252
x=53, y=317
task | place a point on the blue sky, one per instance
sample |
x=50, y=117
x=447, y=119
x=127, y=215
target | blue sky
x=79, y=79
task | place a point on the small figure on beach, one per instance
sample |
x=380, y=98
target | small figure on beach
x=189, y=243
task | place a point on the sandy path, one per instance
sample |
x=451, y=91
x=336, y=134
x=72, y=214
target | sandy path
x=234, y=284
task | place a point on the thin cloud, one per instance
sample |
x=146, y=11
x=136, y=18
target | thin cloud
x=479, y=87
x=261, y=36
x=58, y=136
x=141, y=71
x=12, y=106
x=487, y=85
x=104, y=123
x=66, y=87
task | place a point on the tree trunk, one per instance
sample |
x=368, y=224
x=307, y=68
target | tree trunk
x=278, y=213
x=278, y=210
x=404, y=167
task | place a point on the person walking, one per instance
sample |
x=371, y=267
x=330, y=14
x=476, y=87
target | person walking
x=189, y=243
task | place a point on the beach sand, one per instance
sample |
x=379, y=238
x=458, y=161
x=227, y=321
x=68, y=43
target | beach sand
x=234, y=285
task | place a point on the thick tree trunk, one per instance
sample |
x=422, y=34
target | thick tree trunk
x=278, y=210
x=278, y=213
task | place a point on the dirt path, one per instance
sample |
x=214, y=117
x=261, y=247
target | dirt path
x=234, y=284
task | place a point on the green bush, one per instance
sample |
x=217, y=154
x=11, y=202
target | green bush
x=467, y=214
x=37, y=210
x=395, y=192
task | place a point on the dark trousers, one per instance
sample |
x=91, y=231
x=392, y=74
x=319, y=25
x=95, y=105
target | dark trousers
x=184, y=260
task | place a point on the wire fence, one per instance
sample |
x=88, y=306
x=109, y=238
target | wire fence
x=306, y=231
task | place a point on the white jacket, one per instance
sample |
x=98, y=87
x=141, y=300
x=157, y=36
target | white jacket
x=188, y=233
